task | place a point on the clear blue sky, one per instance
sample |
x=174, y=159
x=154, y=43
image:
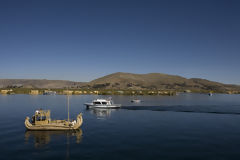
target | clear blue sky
x=82, y=40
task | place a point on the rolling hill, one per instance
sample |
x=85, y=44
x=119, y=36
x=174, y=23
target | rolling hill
x=158, y=81
x=132, y=81
x=38, y=83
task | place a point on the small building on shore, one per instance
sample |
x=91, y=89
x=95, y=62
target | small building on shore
x=151, y=92
x=68, y=92
x=96, y=92
x=120, y=92
x=34, y=92
x=49, y=92
x=6, y=91
x=163, y=92
x=78, y=92
x=233, y=92
x=187, y=91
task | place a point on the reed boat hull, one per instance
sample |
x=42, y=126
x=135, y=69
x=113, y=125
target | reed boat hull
x=54, y=126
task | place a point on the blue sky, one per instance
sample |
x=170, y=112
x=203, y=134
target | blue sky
x=83, y=40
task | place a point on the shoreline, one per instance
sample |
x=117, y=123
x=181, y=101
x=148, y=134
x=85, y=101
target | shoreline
x=43, y=91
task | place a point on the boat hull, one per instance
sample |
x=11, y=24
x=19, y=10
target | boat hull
x=54, y=126
x=136, y=101
x=91, y=105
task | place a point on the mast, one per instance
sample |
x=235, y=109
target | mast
x=68, y=106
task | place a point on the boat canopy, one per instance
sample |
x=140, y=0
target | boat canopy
x=102, y=101
x=41, y=117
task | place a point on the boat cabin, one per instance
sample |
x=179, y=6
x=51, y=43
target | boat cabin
x=102, y=102
x=41, y=117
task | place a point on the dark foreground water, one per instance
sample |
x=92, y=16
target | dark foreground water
x=188, y=126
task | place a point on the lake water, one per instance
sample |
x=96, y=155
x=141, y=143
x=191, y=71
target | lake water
x=187, y=126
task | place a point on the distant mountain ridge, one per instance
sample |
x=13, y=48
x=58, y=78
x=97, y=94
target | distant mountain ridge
x=38, y=83
x=132, y=81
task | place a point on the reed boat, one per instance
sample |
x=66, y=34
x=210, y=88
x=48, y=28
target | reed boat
x=41, y=120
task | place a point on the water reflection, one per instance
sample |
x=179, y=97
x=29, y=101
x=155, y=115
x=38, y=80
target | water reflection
x=42, y=138
x=101, y=112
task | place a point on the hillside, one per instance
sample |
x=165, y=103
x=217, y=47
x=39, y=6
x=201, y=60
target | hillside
x=137, y=81
x=124, y=81
x=158, y=81
x=38, y=83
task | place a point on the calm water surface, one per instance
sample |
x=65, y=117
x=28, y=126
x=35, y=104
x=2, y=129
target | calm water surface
x=188, y=126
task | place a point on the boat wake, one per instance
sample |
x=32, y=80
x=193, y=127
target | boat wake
x=214, y=109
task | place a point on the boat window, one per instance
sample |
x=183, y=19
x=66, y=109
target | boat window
x=104, y=102
x=43, y=118
x=96, y=103
x=38, y=118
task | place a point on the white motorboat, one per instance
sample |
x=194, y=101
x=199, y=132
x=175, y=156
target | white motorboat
x=102, y=103
x=136, y=101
